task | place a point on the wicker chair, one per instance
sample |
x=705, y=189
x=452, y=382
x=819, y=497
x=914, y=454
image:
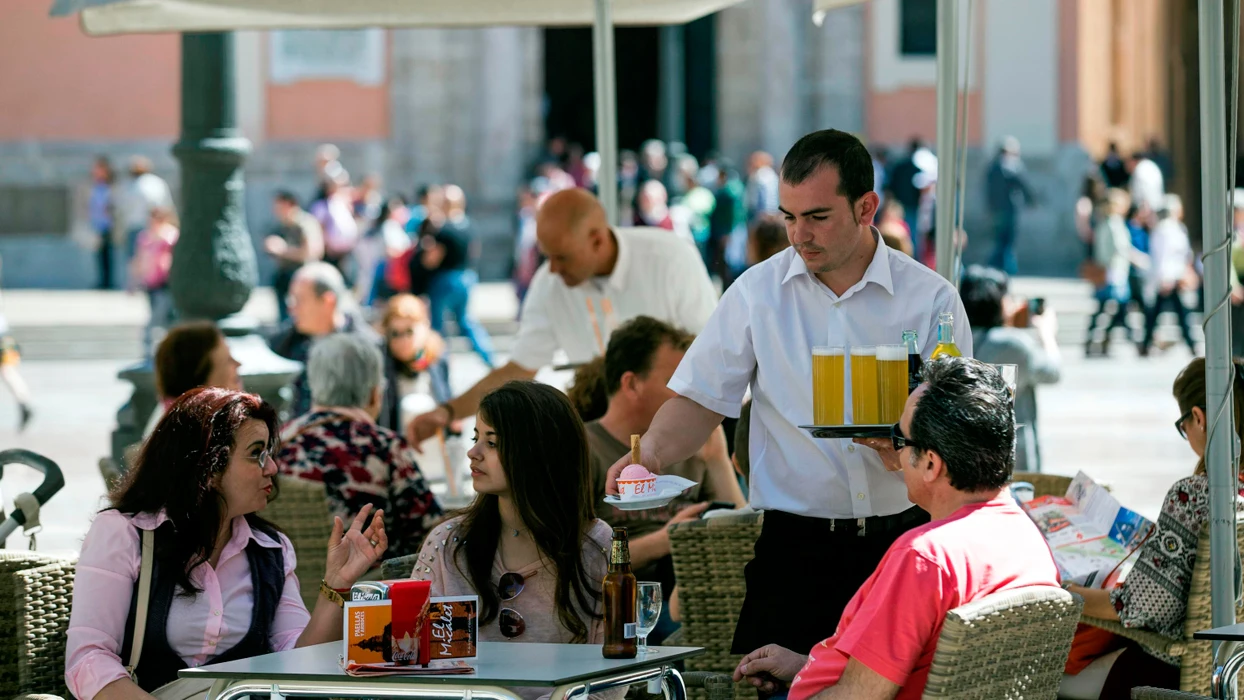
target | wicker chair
x=1044, y=484
x=1011, y=644
x=1158, y=694
x=1196, y=659
x=398, y=567
x=301, y=511
x=43, y=597
x=709, y=556
x=10, y=611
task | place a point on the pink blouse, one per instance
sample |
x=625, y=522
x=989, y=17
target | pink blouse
x=199, y=628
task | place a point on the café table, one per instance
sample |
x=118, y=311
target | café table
x=569, y=671
x=1228, y=658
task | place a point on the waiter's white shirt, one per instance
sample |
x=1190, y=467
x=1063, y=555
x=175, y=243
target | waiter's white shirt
x=657, y=274
x=762, y=334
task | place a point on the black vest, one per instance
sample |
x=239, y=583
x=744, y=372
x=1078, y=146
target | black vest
x=159, y=663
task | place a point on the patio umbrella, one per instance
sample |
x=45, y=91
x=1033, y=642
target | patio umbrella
x=103, y=17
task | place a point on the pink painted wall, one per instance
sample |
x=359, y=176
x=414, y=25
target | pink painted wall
x=328, y=109
x=56, y=83
x=894, y=117
x=1068, y=71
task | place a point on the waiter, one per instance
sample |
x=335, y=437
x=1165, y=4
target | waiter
x=596, y=278
x=831, y=507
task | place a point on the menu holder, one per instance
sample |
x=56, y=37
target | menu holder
x=846, y=432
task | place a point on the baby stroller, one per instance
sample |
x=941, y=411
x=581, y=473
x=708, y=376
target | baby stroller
x=26, y=506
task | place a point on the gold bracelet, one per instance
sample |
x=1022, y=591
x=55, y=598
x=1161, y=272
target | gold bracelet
x=332, y=595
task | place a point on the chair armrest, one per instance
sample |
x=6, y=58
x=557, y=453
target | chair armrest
x=675, y=639
x=37, y=696
x=718, y=685
x=1153, y=640
x=1159, y=694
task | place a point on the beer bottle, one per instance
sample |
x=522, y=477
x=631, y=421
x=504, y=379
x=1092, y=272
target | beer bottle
x=915, y=363
x=620, y=591
x=945, y=337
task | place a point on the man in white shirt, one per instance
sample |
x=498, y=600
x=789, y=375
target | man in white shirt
x=1147, y=186
x=146, y=192
x=596, y=278
x=832, y=507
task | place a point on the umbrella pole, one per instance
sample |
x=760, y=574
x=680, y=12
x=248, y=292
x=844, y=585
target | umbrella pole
x=603, y=60
x=947, y=161
x=1218, y=369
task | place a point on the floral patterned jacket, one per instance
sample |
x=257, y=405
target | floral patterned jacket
x=360, y=462
x=1155, y=593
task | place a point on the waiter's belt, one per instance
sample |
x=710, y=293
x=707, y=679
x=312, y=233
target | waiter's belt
x=873, y=525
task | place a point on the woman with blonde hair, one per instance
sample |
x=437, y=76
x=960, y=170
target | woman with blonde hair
x=416, y=359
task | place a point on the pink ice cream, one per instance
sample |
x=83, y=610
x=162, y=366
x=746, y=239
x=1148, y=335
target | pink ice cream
x=635, y=472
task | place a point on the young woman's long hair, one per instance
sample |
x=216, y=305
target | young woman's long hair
x=544, y=453
x=179, y=467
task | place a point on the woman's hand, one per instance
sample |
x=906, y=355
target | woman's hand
x=353, y=553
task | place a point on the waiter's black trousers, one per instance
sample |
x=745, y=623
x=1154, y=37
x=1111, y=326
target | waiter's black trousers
x=804, y=574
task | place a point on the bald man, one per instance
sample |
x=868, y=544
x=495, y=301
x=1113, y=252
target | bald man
x=595, y=279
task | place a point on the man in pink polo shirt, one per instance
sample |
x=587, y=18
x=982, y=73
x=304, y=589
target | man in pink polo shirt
x=956, y=465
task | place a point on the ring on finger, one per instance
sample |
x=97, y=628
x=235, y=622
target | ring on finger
x=374, y=542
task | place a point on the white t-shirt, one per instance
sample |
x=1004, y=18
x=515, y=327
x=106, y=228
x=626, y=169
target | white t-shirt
x=762, y=335
x=1147, y=186
x=657, y=274
x=145, y=193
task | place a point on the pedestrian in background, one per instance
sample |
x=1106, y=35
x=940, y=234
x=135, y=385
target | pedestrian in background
x=149, y=271
x=448, y=252
x=297, y=241
x=103, y=216
x=1007, y=190
x=145, y=192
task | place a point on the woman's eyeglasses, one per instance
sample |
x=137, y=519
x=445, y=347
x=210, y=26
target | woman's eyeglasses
x=1179, y=424
x=510, y=620
x=897, y=440
x=396, y=333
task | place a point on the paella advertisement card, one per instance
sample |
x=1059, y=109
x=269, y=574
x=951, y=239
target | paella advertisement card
x=449, y=631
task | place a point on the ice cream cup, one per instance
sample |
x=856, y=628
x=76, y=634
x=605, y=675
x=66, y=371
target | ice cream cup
x=632, y=489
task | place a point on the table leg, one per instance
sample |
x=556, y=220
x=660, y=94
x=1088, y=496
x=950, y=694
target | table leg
x=672, y=685
x=1228, y=660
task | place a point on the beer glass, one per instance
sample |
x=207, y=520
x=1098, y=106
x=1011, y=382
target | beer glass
x=828, y=378
x=891, y=382
x=1010, y=375
x=864, y=403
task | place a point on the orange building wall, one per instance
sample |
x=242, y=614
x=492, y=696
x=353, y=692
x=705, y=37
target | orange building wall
x=328, y=109
x=894, y=117
x=56, y=83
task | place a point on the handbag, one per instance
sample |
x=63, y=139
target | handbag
x=1093, y=272
x=182, y=688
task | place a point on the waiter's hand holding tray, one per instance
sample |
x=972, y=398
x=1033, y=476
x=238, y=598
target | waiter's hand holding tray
x=639, y=489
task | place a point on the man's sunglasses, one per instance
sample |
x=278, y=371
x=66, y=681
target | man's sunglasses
x=898, y=440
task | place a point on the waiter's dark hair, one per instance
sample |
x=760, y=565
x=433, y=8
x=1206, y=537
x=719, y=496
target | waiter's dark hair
x=966, y=416
x=634, y=345
x=830, y=147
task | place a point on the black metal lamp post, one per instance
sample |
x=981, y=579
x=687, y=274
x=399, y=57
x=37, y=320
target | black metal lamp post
x=214, y=267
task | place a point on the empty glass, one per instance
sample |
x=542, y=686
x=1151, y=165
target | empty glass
x=1010, y=375
x=647, y=611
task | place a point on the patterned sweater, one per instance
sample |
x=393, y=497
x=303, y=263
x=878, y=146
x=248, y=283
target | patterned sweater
x=360, y=462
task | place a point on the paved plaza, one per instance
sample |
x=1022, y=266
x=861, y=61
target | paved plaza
x=1110, y=418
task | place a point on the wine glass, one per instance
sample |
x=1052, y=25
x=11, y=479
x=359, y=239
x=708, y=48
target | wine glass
x=647, y=611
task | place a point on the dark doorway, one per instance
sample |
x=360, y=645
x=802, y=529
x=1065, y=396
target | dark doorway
x=568, y=85
x=570, y=100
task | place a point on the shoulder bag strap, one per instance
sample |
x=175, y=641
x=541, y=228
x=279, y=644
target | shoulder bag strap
x=144, y=598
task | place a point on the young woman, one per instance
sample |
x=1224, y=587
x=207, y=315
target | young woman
x=1155, y=593
x=191, y=355
x=413, y=352
x=222, y=586
x=529, y=546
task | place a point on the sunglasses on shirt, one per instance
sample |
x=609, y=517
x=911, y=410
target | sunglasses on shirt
x=510, y=620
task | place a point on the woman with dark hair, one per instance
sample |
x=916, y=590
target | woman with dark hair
x=190, y=356
x=221, y=579
x=529, y=546
x=1154, y=595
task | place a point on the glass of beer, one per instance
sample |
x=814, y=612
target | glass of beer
x=864, y=402
x=828, y=372
x=891, y=382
